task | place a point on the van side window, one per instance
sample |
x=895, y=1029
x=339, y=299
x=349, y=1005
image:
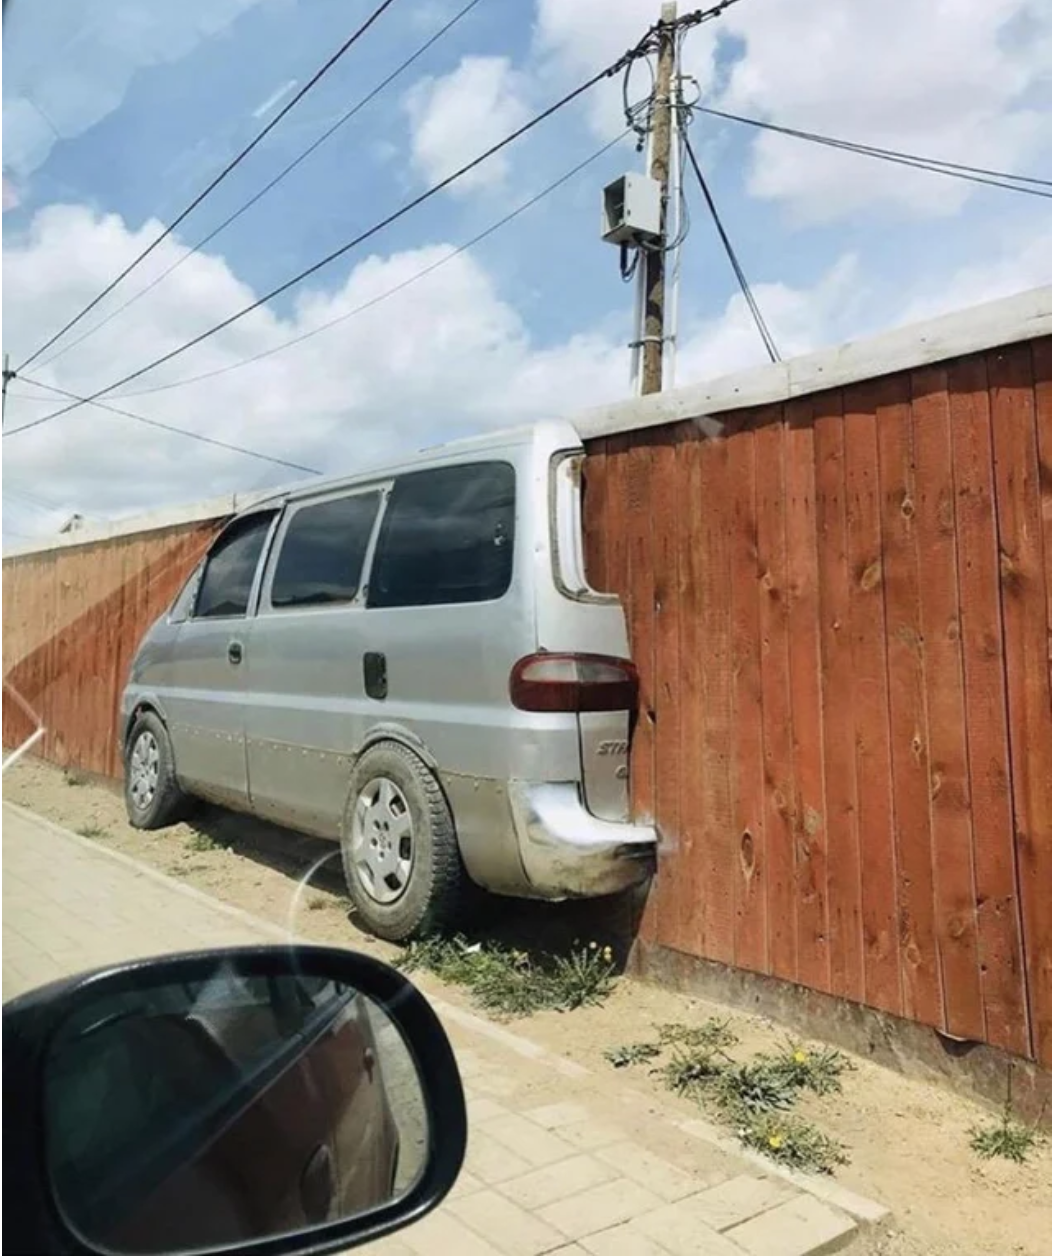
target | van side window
x=447, y=537
x=230, y=567
x=323, y=551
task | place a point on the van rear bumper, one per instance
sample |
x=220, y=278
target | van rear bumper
x=569, y=853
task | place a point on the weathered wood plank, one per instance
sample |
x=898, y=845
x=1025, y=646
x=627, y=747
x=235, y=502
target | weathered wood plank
x=803, y=607
x=1020, y=523
x=998, y=926
x=870, y=702
x=909, y=734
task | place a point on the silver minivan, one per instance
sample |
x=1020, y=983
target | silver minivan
x=409, y=662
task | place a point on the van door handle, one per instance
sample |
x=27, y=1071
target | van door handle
x=234, y=652
x=375, y=675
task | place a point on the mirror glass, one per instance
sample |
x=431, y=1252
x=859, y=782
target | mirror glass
x=235, y=1104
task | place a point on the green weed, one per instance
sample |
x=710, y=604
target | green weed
x=1005, y=1139
x=792, y=1142
x=632, y=1053
x=819, y=1070
x=510, y=982
x=689, y=1072
x=202, y=842
x=94, y=831
x=712, y=1034
x=758, y=1086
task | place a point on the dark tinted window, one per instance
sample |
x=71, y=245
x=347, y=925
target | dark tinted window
x=230, y=568
x=447, y=537
x=323, y=551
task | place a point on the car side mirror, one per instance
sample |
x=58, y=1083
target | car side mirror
x=266, y=1100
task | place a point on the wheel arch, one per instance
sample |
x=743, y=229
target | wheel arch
x=142, y=705
x=380, y=733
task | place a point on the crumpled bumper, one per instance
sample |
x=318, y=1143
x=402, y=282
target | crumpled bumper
x=569, y=853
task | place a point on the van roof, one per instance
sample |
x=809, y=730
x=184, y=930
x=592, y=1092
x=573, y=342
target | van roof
x=551, y=433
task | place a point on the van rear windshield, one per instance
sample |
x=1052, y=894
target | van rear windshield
x=447, y=537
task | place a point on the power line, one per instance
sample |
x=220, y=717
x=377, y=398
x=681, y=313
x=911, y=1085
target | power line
x=953, y=170
x=235, y=161
x=646, y=44
x=744, y=284
x=388, y=292
x=169, y=427
x=359, y=239
x=286, y=170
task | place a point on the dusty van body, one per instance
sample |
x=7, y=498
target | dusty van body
x=412, y=663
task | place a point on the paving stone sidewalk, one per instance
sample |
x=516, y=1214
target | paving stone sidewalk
x=555, y=1163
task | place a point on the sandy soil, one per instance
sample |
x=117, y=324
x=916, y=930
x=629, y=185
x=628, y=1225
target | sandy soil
x=908, y=1141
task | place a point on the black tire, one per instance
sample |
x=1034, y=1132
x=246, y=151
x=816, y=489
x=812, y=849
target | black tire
x=167, y=802
x=434, y=897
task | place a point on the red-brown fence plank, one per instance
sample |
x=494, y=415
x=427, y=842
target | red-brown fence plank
x=775, y=691
x=616, y=544
x=803, y=605
x=870, y=701
x=909, y=744
x=718, y=836
x=998, y=929
x=594, y=514
x=637, y=486
x=750, y=868
x=1041, y=384
x=694, y=901
x=668, y=502
x=950, y=819
x=1020, y=522
x=839, y=728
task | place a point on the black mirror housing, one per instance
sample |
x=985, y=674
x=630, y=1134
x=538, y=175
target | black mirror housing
x=199, y=1015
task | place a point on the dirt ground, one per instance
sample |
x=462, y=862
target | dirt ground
x=908, y=1141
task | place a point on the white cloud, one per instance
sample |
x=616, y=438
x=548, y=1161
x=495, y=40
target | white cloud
x=957, y=80
x=461, y=114
x=573, y=41
x=1016, y=264
x=444, y=357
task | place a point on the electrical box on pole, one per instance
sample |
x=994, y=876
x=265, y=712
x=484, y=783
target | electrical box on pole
x=632, y=210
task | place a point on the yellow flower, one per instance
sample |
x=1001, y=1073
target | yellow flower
x=607, y=953
x=775, y=1142
x=800, y=1057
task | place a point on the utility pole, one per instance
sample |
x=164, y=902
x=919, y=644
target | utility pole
x=654, y=259
x=8, y=375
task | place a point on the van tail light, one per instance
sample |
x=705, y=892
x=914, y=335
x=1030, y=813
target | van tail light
x=573, y=682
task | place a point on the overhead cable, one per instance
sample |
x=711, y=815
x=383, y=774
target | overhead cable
x=388, y=292
x=1026, y=184
x=744, y=284
x=171, y=427
x=644, y=46
x=235, y=161
x=286, y=170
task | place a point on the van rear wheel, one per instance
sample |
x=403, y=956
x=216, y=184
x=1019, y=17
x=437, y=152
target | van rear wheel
x=399, y=847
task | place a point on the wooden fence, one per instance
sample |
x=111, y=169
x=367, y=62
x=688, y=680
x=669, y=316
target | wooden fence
x=73, y=618
x=840, y=608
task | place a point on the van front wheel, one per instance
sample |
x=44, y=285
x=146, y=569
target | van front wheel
x=399, y=846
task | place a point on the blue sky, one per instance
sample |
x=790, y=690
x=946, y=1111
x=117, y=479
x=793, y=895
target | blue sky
x=116, y=114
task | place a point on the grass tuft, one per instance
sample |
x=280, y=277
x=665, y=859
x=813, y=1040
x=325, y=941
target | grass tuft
x=1005, y=1139
x=202, y=842
x=632, y=1053
x=509, y=982
x=94, y=831
x=792, y=1142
